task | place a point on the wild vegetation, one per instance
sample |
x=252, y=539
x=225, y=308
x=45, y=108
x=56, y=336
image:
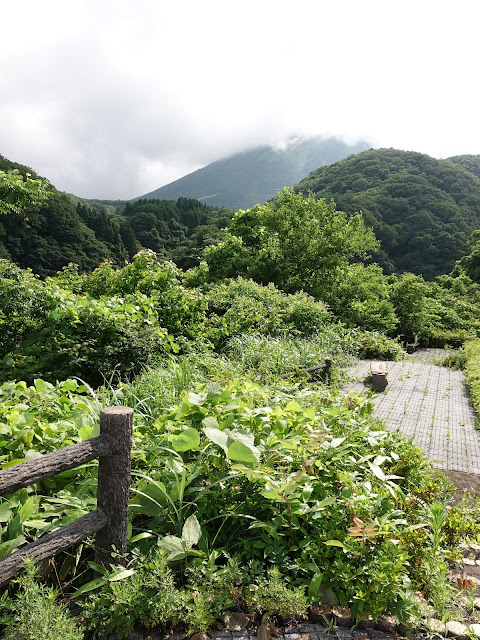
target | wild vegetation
x=422, y=210
x=254, y=490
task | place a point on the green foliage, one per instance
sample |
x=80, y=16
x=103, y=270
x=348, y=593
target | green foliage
x=421, y=209
x=113, y=322
x=463, y=522
x=240, y=306
x=456, y=360
x=56, y=230
x=295, y=242
x=81, y=336
x=472, y=373
x=372, y=345
x=409, y=297
x=34, y=612
x=361, y=298
x=262, y=465
x=272, y=596
x=179, y=310
x=177, y=231
x=469, y=162
x=17, y=192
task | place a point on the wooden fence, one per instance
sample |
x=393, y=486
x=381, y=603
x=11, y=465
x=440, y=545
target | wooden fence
x=109, y=520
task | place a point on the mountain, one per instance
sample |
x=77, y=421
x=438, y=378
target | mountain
x=47, y=236
x=423, y=210
x=469, y=162
x=253, y=177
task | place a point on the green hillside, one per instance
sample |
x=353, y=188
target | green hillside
x=253, y=177
x=469, y=162
x=422, y=210
x=47, y=236
x=177, y=230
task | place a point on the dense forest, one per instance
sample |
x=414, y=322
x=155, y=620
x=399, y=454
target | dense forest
x=49, y=235
x=421, y=209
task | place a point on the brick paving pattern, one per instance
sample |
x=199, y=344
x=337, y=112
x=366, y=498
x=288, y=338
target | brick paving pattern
x=428, y=403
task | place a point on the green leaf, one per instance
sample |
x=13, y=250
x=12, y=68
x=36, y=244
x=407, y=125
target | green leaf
x=334, y=543
x=217, y=437
x=10, y=545
x=99, y=568
x=187, y=440
x=240, y=452
x=120, y=574
x=140, y=536
x=175, y=547
x=210, y=422
x=326, y=502
x=40, y=385
x=5, y=513
x=196, y=399
x=314, y=585
x=90, y=586
x=85, y=432
x=191, y=531
x=336, y=442
x=26, y=509
x=377, y=471
x=293, y=407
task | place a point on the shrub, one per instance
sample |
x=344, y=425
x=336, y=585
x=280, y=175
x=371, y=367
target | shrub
x=241, y=306
x=373, y=345
x=179, y=310
x=84, y=337
x=472, y=374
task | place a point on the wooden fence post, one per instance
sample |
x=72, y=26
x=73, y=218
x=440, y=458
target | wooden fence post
x=113, y=493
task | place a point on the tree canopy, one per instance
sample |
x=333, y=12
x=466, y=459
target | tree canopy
x=296, y=242
x=17, y=191
x=422, y=210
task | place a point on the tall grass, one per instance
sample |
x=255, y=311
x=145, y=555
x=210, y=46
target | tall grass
x=266, y=355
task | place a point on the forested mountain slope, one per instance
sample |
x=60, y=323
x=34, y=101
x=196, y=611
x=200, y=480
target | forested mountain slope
x=253, y=177
x=469, y=162
x=47, y=236
x=178, y=230
x=422, y=210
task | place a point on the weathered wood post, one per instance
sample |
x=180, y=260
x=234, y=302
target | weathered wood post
x=328, y=370
x=113, y=493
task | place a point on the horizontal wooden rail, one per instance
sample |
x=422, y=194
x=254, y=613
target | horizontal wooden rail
x=301, y=369
x=52, y=543
x=50, y=464
x=110, y=519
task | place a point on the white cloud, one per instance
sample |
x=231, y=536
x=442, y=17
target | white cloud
x=113, y=98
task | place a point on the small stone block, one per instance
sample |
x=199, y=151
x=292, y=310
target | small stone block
x=457, y=629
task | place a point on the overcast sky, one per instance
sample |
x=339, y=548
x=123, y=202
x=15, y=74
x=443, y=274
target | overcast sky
x=115, y=98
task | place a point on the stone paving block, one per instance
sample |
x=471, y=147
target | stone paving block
x=431, y=404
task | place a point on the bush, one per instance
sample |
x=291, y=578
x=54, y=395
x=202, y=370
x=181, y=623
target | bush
x=241, y=306
x=373, y=345
x=84, y=337
x=472, y=374
x=441, y=338
x=179, y=310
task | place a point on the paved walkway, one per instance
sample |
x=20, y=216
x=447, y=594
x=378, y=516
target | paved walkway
x=429, y=403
